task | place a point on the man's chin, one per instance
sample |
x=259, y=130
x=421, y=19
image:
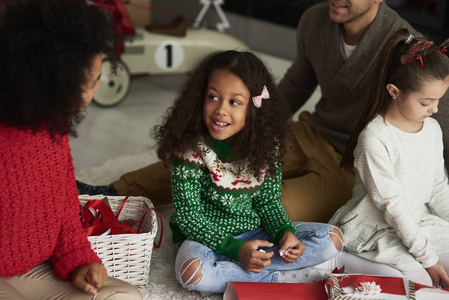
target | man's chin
x=336, y=17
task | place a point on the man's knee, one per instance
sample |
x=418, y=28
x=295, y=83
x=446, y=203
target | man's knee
x=191, y=271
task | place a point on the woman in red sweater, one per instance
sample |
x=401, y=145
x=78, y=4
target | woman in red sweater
x=50, y=64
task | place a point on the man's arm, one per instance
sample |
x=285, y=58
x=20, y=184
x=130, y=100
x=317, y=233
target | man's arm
x=299, y=82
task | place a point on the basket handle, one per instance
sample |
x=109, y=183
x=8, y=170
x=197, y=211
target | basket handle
x=141, y=221
x=162, y=226
x=121, y=206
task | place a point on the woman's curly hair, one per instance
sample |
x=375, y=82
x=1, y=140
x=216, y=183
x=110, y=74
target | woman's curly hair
x=262, y=141
x=47, y=49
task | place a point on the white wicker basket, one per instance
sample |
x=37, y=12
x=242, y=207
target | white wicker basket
x=127, y=256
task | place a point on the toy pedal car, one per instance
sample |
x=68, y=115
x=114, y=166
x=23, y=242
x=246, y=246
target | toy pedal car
x=151, y=53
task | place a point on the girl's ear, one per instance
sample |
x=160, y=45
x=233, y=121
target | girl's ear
x=393, y=91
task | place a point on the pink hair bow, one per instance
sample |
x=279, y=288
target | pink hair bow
x=258, y=99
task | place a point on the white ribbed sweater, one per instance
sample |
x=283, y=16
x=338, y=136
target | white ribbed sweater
x=400, y=184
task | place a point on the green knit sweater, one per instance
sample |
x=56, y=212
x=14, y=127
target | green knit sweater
x=216, y=199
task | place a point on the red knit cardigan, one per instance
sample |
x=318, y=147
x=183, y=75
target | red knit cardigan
x=39, y=206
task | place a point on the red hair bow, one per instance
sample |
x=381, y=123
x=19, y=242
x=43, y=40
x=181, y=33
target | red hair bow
x=417, y=51
x=444, y=46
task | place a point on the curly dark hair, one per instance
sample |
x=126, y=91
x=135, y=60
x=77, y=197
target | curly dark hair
x=47, y=49
x=262, y=142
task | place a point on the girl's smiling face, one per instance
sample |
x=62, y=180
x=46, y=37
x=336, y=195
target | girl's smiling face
x=225, y=104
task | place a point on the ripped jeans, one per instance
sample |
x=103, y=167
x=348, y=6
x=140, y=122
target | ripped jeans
x=217, y=270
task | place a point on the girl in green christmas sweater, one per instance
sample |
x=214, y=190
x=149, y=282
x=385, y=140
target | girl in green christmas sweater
x=224, y=137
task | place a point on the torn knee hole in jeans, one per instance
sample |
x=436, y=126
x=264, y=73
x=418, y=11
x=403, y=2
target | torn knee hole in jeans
x=337, y=238
x=191, y=271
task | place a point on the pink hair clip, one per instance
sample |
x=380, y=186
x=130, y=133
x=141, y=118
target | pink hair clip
x=258, y=99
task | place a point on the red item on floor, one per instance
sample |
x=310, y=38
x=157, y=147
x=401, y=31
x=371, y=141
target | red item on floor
x=123, y=24
x=284, y=291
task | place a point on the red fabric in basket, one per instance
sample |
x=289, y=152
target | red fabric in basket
x=105, y=220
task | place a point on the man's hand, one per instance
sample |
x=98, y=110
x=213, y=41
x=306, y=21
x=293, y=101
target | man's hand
x=89, y=278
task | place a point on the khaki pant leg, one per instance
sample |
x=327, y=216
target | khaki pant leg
x=314, y=185
x=8, y=292
x=152, y=181
x=41, y=283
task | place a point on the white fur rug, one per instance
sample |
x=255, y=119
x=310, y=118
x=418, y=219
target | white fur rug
x=162, y=283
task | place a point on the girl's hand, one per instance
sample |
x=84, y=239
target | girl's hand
x=253, y=260
x=292, y=246
x=89, y=278
x=438, y=275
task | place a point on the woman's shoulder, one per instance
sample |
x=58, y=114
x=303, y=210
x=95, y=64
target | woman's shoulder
x=11, y=136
